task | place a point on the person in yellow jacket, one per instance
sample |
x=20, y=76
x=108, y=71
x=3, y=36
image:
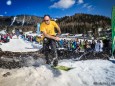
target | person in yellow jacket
x=48, y=27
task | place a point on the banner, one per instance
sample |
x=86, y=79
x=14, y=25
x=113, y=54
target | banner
x=38, y=28
x=113, y=29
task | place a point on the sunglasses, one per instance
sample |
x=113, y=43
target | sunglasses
x=46, y=20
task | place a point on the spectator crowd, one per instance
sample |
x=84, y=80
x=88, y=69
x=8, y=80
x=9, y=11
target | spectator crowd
x=4, y=38
x=84, y=45
x=70, y=45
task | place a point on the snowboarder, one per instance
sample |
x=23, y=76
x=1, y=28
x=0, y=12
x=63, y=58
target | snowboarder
x=48, y=29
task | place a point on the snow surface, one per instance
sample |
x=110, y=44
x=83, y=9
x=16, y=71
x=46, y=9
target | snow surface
x=85, y=73
x=2, y=32
x=19, y=45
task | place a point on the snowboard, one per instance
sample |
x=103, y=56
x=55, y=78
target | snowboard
x=64, y=68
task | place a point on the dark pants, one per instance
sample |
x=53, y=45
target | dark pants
x=49, y=48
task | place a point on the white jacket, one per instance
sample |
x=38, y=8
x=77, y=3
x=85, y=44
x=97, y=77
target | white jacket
x=99, y=47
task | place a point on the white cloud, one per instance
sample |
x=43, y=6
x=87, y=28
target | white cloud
x=9, y=2
x=85, y=5
x=64, y=4
x=5, y=12
x=1, y=15
x=88, y=6
x=80, y=1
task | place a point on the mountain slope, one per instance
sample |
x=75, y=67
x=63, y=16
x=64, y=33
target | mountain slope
x=24, y=22
x=82, y=23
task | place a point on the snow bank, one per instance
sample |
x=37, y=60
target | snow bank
x=85, y=73
x=19, y=45
x=2, y=32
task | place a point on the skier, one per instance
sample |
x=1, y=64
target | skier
x=48, y=29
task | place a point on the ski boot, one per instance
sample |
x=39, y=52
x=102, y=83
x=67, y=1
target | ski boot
x=55, y=62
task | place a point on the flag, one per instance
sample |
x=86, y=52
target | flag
x=38, y=28
x=113, y=29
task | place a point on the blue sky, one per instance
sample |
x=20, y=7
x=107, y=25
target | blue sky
x=56, y=8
